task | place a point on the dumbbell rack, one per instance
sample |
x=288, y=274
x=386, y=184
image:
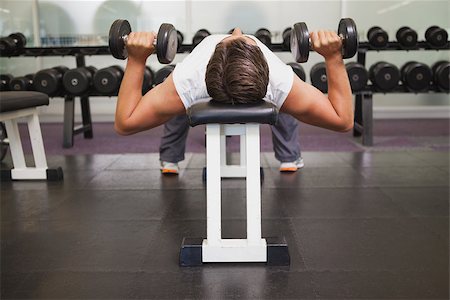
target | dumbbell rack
x=69, y=128
x=363, y=123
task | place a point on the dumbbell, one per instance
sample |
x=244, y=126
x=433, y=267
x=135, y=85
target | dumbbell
x=12, y=44
x=147, y=83
x=441, y=75
x=264, y=35
x=384, y=76
x=107, y=80
x=5, y=79
x=79, y=81
x=163, y=73
x=377, y=37
x=301, y=42
x=23, y=83
x=407, y=37
x=4, y=143
x=436, y=36
x=416, y=76
x=166, y=42
x=298, y=70
x=49, y=81
x=180, y=38
x=287, y=38
x=199, y=36
x=357, y=75
x=318, y=75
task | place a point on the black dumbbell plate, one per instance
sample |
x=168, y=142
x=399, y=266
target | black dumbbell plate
x=118, y=30
x=300, y=42
x=166, y=43
x=347, y=29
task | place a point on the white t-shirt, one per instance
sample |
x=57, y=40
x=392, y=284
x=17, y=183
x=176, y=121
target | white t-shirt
x=189, y=75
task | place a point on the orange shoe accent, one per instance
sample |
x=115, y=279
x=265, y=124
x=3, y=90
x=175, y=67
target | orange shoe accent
x=169, y=171
x=291, y=169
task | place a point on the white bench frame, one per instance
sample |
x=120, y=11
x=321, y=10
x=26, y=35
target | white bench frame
x=254, y=247
x=20, y=170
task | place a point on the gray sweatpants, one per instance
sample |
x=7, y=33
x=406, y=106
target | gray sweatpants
x=284, y=138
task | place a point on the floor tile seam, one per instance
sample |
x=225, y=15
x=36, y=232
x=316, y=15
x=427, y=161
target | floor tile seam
x=444, y=239
x=227, y=219
x=372, y=270
x=301, y=250
x=397, y=203
x=77, y=221
x=90, y=220
x=222, y=268
x=352, y=217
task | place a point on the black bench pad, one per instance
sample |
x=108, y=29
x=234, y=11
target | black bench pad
x=215, y=112
x=11, y=101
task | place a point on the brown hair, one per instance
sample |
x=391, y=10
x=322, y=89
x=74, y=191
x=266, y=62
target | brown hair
x=237, y=73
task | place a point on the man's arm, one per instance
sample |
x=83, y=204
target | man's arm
x=135, y=112
x=311, y=106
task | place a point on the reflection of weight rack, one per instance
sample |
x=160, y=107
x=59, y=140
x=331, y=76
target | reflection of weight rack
x=363, y=125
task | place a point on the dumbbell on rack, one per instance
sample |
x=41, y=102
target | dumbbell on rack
x=301, y=42
x=5, y=79
x=23, y=83
x=180, y=38
x=407, y=37
x=286, y=38
x=50, y=81
x=107, y=80
x=79, y=81
x=163, y=73
x=318, y=75
x=199, y=36
x=147, y=83
x=436, y=36
x=416, y=76
x=384, y=76
x=264, y=35
x=12, y=44
x=377, y=37
x=166, y=42
x=441, y=75
x=298, y=70
x=357, y=75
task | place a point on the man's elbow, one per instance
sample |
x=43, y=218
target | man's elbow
x=122, y=128
x=346, y=126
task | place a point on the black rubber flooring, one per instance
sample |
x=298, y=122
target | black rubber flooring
x=358, y=225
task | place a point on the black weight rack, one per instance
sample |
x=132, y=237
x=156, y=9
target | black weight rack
x=80, y=53
x=363, y=100
x=363, y=125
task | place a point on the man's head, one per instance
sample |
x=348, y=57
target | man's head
x=237, y=71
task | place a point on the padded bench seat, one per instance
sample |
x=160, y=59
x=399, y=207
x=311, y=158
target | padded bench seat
x=219, y=113
x=11, y=101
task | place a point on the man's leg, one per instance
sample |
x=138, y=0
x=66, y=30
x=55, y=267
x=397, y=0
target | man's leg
x=286, y=143
x=173, y=143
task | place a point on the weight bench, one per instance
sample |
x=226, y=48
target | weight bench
x=224, y=120
x=14, y=106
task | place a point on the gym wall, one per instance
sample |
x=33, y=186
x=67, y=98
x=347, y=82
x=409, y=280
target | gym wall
x=89, y=22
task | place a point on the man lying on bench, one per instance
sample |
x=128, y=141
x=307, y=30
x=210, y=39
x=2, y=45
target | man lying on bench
x=233, y=69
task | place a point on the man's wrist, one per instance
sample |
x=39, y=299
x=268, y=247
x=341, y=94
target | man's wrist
x=334, y=59
x=136, y=61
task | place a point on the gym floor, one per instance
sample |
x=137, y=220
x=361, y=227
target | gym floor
x=361, y=224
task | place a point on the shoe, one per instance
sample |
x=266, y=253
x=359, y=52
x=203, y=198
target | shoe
x=169, y=168
x=292, y=166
